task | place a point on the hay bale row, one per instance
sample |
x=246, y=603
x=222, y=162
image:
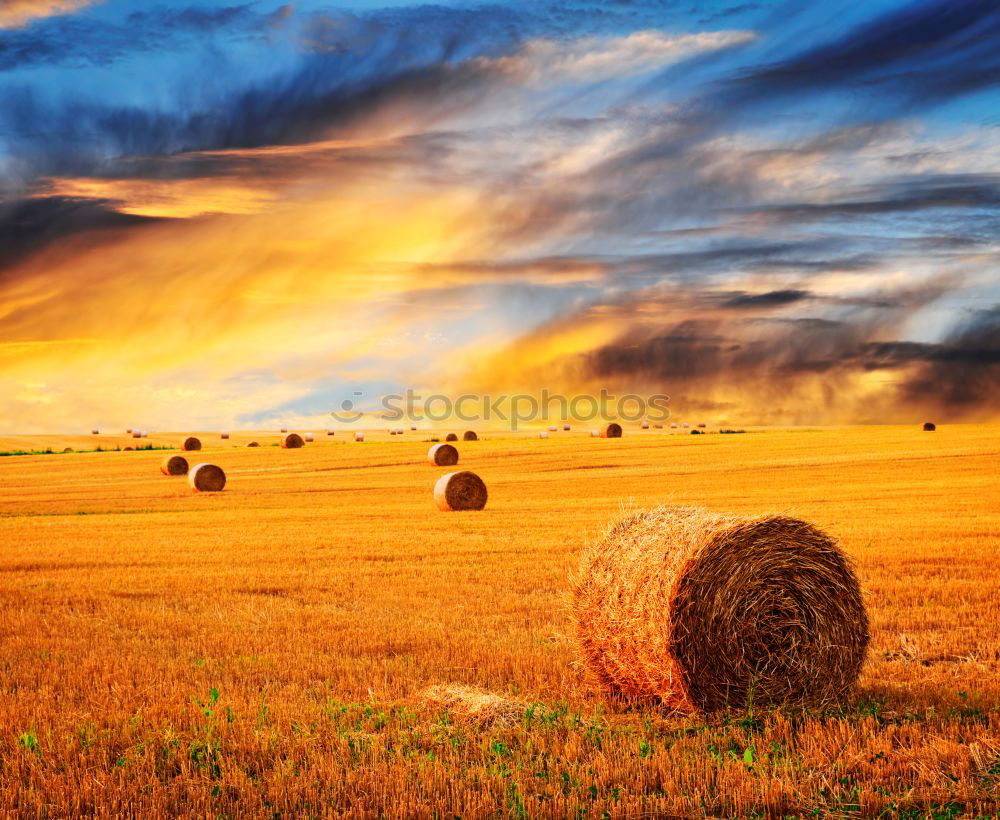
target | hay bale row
x=460, y=491
x=207, y=478
x=701, y=611
x=442, y=455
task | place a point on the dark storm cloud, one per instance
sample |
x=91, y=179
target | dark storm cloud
x=773, y=298
x=31, y=225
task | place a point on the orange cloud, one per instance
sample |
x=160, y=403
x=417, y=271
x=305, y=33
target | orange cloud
x=16, y=13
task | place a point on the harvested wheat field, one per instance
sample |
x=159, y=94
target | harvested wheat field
x=319, y=639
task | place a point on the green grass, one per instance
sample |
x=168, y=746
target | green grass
x=48, y=451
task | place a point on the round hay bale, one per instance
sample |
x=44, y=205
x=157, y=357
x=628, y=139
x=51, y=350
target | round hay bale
x=292, y=441
x=308, y=437
x=612, y=430
x=127, y=450
x=566, y=428
x=224, y=435
x=68, y=450
x=451, y=437
x=685, y=425
x=702, y=611
x=470, y=435
x=657, y=426
x=329, y=432
x=253, y=444
x=95, y=432
x=174, y=465
x=413, y=428
x=137, y=434
x=929, y=427
x=443, y=455
x=543, y=434
x=128, y=431
x=207, y=478
x=702, y=424
x=359, y=436
x=191, y=443
x=553, y=429
x=460, y=491
x=284, y=429
x=645, y=425
x=595, y=433
x=673, y=425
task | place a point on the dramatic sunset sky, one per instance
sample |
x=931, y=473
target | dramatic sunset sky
x=230, y=214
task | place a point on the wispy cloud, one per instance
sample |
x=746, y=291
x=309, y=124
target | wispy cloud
x=17, y=13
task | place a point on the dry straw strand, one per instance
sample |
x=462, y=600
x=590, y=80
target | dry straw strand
x=460, y=491
x=443, y=455
x=702, y=611
x=207, y=478
x=174, y=465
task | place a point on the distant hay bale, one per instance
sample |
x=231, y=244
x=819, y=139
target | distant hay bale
x=443, y=455
x=553, y=429
x=657, y=426
x=329, y=432
x=702, y=424
x=137, y=434
x=191, y=443
x=284, y=430
x=702, y=611
x=482, y=708
x=460, y=491
x=359, y=436
x=413, y=428
x=673, y=425
x=392, y=432
x=567, y=428
x=645, y=425
x=611, y=430
x=95, y=432
x=68, y=450
x=929, y=427
x=292, y=441
x=207, y=478
x=470, y=435
x=685, y=425
x=128, y=431
x=174, y=465
x=127, y=449
x=253, y=444
x=308, y=437
x=451, y=437
x=543, y=434
x=595, y=433
x=224, y=435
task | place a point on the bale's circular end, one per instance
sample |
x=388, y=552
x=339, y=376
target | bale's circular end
x=443, y=455
x=191, y=443
x=207, y=478
x=174, y=465
x=929, y=427
x=704, y=611
x=611, y=430
x=470, y=435
x=451, y=437
x=460, y=491
x=292, y=441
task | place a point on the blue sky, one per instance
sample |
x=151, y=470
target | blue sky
x=722, y=201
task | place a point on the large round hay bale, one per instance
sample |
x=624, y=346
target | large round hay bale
x=611, y=430
x=207, y=478
x=292, y=441
x=451, y=437
x=174, y=465
x=702, y=611
x=470, y=435
x=460, y=491
x=308, y=437
x=253, y=444
x=443, y=455
x=191, y=443
x=359, y=436
x=929, y=427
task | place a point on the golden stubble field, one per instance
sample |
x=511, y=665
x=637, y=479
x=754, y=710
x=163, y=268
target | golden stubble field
x=268, y=650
